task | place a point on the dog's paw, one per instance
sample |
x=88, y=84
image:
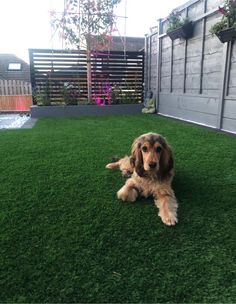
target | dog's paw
x=126, y=173
x=111, y=166
x=129, y=195
x=168, y=218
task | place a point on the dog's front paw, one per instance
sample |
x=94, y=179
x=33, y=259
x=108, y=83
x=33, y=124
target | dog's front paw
x=127, y=194
x=126, y=173
x=168, y=218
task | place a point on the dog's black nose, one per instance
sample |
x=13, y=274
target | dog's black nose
x=152, y=165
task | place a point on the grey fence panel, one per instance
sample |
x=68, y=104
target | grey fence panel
x=194, y=79
x=191, y=108
x=165, y=72
x=212, y=4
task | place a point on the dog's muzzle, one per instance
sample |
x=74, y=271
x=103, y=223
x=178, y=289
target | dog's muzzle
x=152, y=165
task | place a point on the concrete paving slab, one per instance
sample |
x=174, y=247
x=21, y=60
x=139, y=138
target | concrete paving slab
x=16, y=121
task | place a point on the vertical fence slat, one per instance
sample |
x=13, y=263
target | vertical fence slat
x=227, y=49
x=159, y=55
x=146, y=66
x=229, y=62
x=185, y=57
x=14, y=87
x=171, y=66
x=150, y=63
x=203, y=46
x=5, y=87
x=10, y=87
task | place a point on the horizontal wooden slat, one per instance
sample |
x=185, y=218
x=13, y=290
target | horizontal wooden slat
x=58, y=73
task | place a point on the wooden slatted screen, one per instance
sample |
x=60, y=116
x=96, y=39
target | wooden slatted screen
x=60, y=76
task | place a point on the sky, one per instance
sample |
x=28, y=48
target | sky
x=25, y=24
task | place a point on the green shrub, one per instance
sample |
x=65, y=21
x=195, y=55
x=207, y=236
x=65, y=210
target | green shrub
x=228, y=10
x=175, y=21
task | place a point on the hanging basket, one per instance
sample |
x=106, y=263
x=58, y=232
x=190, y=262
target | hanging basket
x=185, y=32
x=227, y=35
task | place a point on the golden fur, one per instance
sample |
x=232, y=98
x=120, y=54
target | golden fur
x=151, y=168
x=123, y=164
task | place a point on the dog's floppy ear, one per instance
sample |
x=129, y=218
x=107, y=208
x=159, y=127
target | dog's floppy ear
x=137, y=158
x=166, y=160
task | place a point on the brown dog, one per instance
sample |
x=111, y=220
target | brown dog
x=151, y=170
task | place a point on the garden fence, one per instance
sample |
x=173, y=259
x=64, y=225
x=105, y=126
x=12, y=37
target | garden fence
x=60, y=77
x=15, y=95
x=193, y=79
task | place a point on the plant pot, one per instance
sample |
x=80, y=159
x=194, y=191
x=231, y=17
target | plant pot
x=185, y=32
x=227, y=35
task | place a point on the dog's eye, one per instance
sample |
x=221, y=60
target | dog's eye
x=144, y=149
x=158, y=149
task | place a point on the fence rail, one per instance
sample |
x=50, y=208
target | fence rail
x=15, y=87
x=60, y=77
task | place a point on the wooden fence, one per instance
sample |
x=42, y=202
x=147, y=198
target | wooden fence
x=15, y=95
x=14, y=87
x=60, y=76
x=194, y=79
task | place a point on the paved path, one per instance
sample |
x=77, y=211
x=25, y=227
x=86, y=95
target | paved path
x=16, y=121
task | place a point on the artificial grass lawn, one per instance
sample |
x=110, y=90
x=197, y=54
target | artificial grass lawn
x=65, y=237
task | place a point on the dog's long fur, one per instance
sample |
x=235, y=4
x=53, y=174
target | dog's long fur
x=123, y=164
x=151, y=168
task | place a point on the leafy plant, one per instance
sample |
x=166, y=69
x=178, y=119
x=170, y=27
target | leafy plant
x=228, y=10
x=41, y=96
x=175, y=21
x=70, y=93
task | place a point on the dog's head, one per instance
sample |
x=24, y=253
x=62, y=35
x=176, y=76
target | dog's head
x=151, y=155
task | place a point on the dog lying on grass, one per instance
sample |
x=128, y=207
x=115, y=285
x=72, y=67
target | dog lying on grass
x=150, y=173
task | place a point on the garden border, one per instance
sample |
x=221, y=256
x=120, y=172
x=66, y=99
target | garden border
x=84, y=110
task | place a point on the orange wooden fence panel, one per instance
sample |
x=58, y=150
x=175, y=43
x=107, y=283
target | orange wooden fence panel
x=15, y=103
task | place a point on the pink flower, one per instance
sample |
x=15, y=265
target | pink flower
x=100, y=101
x=221, y=10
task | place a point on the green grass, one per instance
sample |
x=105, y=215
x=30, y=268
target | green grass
x=65, y=237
